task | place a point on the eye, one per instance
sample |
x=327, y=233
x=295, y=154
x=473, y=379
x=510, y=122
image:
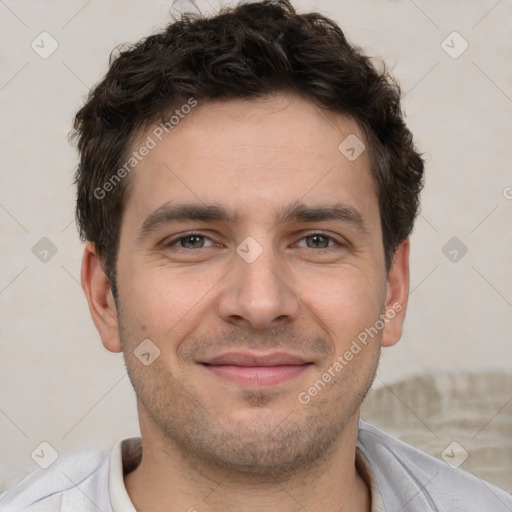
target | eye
x=319, y=241
x=189, y=241
x=192, y=241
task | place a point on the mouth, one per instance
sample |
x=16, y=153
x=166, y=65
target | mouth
x=249, y=369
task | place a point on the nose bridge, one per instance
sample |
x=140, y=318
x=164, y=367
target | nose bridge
x=260, y=277
x=257, y=291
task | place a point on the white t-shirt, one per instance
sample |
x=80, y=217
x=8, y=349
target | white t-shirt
x=400, y=477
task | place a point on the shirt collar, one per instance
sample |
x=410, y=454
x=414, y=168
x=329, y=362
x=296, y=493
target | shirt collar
x=124, y=457
x=364, y=468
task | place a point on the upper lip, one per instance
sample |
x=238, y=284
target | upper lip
x=248, y=359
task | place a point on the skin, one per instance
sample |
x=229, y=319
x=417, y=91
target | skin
x=215, y=444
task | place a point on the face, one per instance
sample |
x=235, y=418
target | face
x=251, y=257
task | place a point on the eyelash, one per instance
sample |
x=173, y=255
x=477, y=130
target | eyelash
x=174, y=241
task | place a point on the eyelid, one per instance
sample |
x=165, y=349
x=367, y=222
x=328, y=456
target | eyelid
x=338, y=240
x=168, y=242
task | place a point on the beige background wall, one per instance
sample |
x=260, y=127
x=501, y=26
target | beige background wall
x=58, y=384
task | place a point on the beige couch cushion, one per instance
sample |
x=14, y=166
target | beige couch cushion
x=431, y=411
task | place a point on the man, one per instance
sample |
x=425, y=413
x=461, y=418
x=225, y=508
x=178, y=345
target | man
x=246, y=188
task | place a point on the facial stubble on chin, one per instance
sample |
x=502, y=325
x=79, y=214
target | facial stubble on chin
x=301, y=438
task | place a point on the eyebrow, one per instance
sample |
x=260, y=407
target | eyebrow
x=296, y=212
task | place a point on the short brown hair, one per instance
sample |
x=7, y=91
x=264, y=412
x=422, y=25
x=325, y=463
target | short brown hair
x=243, y=52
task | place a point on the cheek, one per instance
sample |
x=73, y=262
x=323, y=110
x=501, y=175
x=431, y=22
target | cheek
x=161, y=303
x=345, y=302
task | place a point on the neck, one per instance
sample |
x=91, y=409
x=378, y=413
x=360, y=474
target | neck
x=171, y=480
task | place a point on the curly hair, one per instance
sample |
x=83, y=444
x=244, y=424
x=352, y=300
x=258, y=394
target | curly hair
x=243, y=52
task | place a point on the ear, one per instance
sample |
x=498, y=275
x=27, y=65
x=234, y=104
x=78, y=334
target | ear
x=101, y=301
x=396, y=295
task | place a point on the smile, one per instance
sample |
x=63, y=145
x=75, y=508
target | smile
x=256, y=370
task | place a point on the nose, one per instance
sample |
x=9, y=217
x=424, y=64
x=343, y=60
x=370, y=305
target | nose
x=258, y=294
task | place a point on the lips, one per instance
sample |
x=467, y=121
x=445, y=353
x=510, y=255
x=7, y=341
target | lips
x=248, y=369
x=247, y=359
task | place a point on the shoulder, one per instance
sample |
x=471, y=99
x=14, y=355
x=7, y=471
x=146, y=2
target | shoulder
x=73, y=482
x=415, y=480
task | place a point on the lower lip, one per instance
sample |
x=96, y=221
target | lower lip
x=257, y=375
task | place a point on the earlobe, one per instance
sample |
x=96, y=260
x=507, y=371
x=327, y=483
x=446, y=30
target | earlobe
x=396, y=295
x=98, y=293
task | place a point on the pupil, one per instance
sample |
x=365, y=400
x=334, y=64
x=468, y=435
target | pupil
x=317, y=238
x=193, y=239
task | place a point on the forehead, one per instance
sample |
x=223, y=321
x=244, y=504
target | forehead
x=254, y=156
